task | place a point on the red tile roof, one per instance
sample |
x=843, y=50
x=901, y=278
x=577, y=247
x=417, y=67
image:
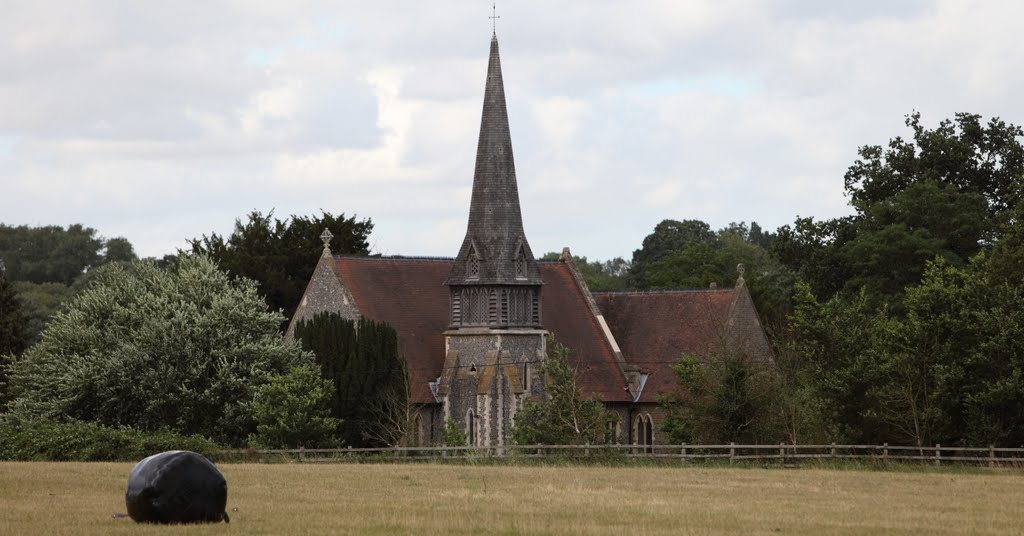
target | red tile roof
x=410, y=295
x=564, y=312
x=654, y=329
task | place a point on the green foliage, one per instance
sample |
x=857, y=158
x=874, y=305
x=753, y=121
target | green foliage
x=838, y=340
x=42, y=439
x=41, y=301
x=361, y=361
x=725, y=399
x=182, y=349
x=453, y=435
x=119, y=250
x=53, y=254
x=948, y=369
x=563, y=416
x=599, y=275
x=964, y=334
x=281, y=255
x=689, y=255
x=669, y=236
x=949, y=192
x=962, y=153
x=292, y=410
x=14, y=335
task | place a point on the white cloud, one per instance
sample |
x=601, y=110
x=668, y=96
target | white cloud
x=164, y=121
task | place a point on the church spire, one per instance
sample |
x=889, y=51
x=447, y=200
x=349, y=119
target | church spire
x=495, y=251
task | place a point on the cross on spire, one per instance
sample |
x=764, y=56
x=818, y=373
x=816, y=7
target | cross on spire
x=494, y=18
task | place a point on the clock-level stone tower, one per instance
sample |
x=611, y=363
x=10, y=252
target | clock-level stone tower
x=495, y=343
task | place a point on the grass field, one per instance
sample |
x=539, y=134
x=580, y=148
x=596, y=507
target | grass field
x=79, y=498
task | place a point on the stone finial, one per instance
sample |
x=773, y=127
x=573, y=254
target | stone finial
x=740, y=269
x=713, y=285
x=566, y=255
x=326, y=237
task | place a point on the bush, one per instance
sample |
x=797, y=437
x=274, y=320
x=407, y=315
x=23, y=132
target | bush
x=46, y=440
x=291, y=410
x=183, y=349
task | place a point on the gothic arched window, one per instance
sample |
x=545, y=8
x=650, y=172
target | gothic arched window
x=643, y=432
x=471, y=428
x=520, y=262
x=473, y=263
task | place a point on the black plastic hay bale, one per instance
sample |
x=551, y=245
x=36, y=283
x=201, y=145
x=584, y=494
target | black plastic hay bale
x=176, y=486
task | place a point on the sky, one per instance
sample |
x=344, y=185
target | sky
x=164, y=121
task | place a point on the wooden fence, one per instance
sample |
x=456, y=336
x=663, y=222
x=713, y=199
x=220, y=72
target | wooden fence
x=782, y=453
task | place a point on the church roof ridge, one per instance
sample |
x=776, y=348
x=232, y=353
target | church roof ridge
x=394, y=258
x=666, y=291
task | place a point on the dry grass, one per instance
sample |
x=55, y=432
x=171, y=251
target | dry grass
x=78, y=498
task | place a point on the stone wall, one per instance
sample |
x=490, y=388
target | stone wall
x=487, y=374
x=324, y=293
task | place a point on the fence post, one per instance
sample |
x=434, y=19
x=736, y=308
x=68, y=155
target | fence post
x=833, y=451
x=732, y=451
x=938, y=454
x=302, y=453
x=682, y=452
x=991, y=455
x=782, y=452
x=885, y=452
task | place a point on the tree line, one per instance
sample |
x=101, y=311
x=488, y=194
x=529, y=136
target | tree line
x=900, y=323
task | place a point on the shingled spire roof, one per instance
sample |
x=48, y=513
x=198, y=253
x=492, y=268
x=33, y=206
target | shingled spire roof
x=495, y=250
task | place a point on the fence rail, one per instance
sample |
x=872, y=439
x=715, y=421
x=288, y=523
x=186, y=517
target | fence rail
x=782, y=453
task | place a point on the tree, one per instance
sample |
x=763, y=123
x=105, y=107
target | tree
x=964, y=332
x=563, y=416
x=669, y=236
x=14, y=337
x=961, y=153
x=118, y=250
x=368, y=378
x=599, y=275
x=700, y=257
x=951, y=191
x=40, y=302
x=727, y=398
x=182, y=349
x=391, y=418
x=49, y=254
x=292, y=410
x=838, y=340
x=281, y=255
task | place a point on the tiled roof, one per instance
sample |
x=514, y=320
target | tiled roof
x=654, y=329
x=566, y=314
x=410, y=295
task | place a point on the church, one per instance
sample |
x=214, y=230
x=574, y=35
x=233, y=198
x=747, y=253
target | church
x=473, y=329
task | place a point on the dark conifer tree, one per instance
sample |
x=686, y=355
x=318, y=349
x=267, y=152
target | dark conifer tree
x=361, y=360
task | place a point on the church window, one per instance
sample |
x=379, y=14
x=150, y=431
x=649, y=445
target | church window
x=520, y=263
x=419, y=439
x=471, y=428
x=643, y=432
x=473, y=263
x=613, y=431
